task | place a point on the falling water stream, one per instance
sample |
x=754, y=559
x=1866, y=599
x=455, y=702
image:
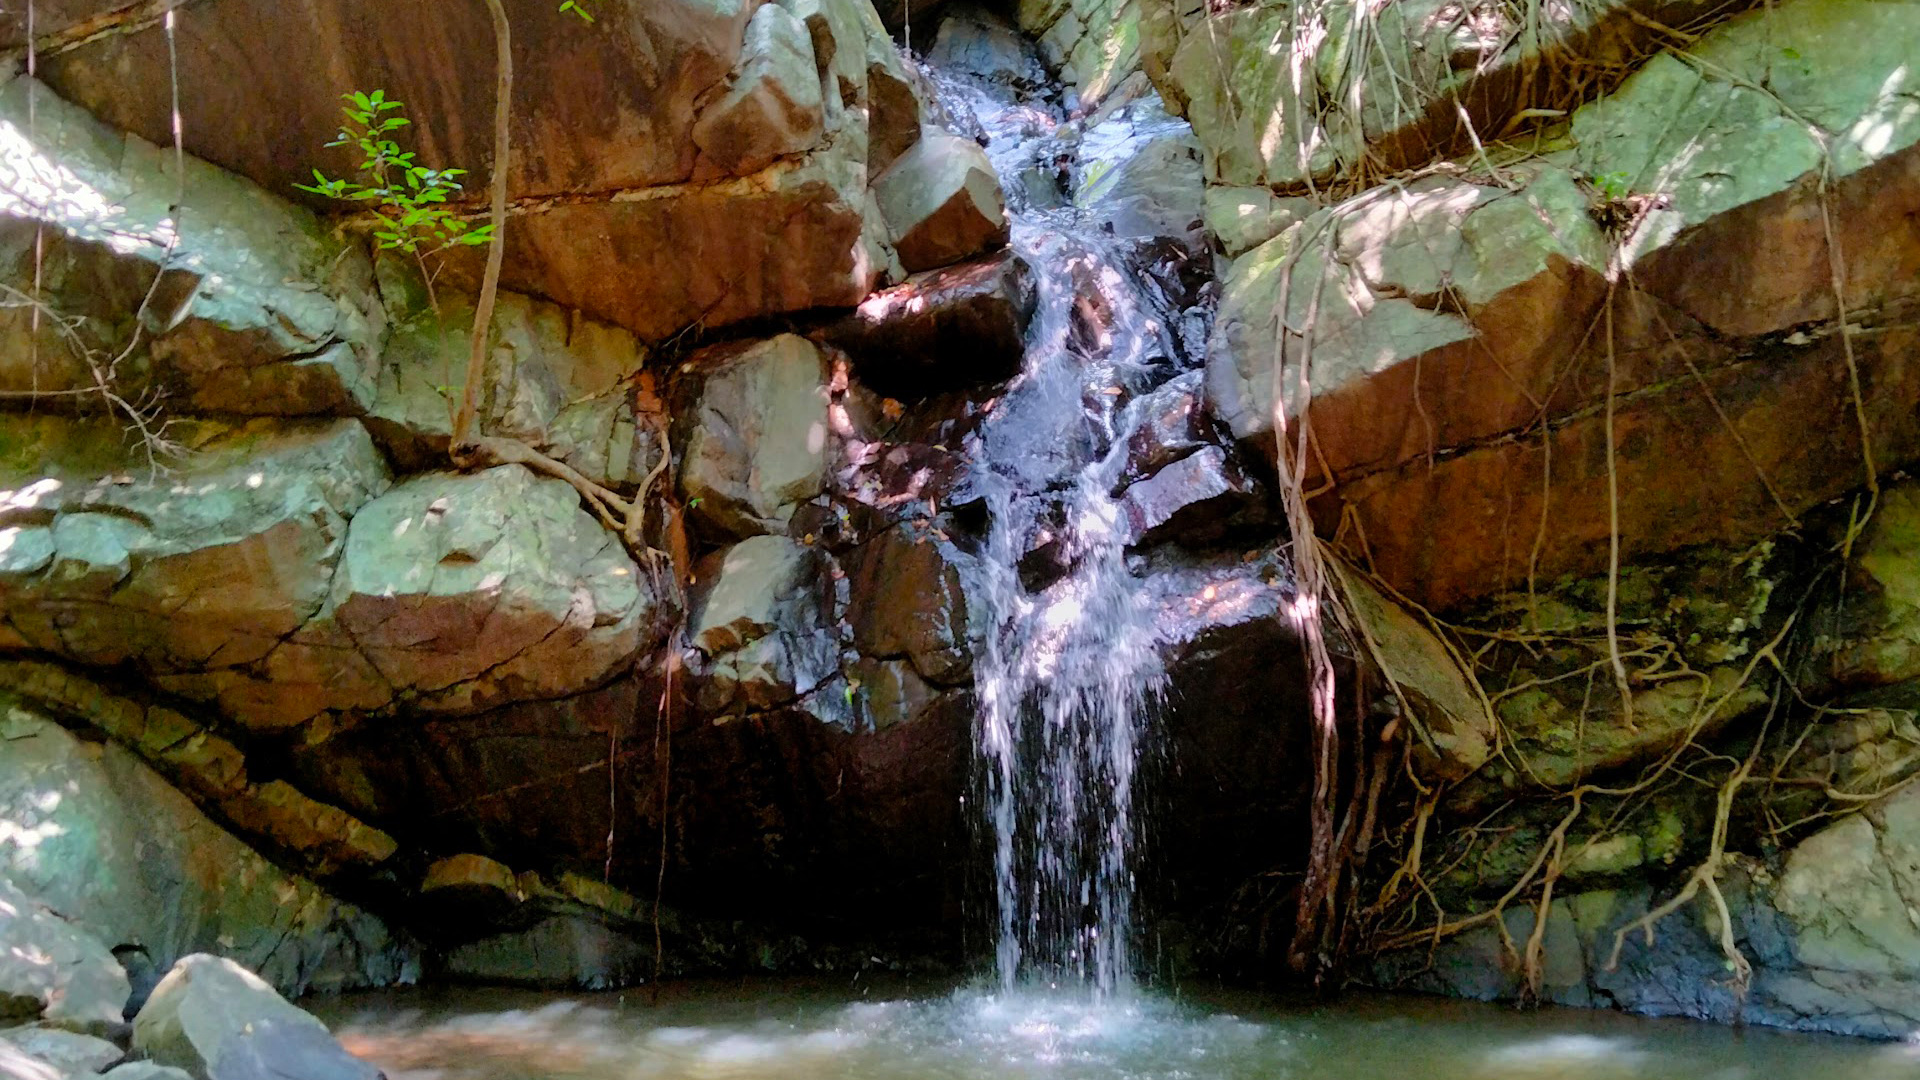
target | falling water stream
x=1068, y=671
x=1068, y=677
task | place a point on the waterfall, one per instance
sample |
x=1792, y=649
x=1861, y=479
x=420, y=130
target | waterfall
x=1068, y=674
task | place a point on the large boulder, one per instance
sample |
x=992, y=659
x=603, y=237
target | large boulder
x=244, y=304
x=219, y=1021
x=909, y=602
x=953, y=328
x=69, y=1053
x=756, y=440
x=131, y=861
x=942, y=201
x=51, y=970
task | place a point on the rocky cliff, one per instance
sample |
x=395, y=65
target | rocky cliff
x=1600, y=322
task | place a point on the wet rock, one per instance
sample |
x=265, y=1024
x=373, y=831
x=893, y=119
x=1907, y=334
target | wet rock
x=1138, y=171
x=1094, y=44
x=53, y=971
x=890, y=692
x=949, y=329
x=553, y=380
x=758, y=619
x=976, y=42
x=146, y=1070
x=909, y=601
x=1167, y=424
x=219, y=1021
x=1195, y=500
x=131, y=861
x=203, y=570
x=69, y=1053
x=772, y=106
x=256, y=308
x=942, y=201
x=756, y=442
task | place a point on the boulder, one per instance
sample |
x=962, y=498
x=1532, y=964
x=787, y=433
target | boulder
x=908, y=601
x=254, y=307
x=1093, y=44
x=146, y=1070
x=219, y=1021
x=70, y=1053
x=942, y=202
x=759, y=622
x=51, y=970
x=953, y=328
x=773, y=105
x=973, y=41
x=1196, y=500
x=756, y=440
x=130, y=861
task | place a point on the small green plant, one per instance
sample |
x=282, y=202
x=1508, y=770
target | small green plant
x=407, y=199
x=578, y=7
x=1613, y=185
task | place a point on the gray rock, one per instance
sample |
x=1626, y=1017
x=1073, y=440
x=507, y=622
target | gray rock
x=219, y=1021
x=758, y=619
x=73, y=1054
x=188, y=574
x=942, y=201
x=980, y=43
x=51, y=970
x=756, y=445
x=132, y=862
x=553, y=380
x=773, y=107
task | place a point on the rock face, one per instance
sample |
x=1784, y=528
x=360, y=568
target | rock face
x=746, y=132
x=756, y=446
x=219, y=1021
x=130, y=861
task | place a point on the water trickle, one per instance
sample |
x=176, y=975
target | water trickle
x=1068, y=674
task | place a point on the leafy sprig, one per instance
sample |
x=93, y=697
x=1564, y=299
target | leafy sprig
x=408, y=200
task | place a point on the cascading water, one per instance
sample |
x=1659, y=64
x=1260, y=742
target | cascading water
x=1069, y=672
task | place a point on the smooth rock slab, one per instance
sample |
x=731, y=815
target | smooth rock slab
x=71, y=1053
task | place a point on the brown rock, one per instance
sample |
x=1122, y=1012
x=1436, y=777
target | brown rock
x=948, y=329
